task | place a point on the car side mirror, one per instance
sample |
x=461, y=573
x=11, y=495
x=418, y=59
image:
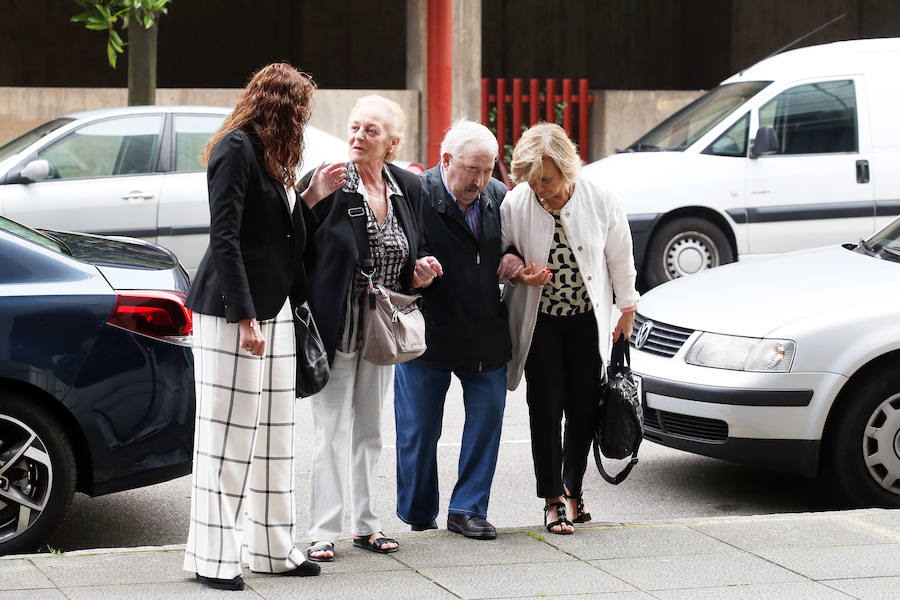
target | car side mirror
x=36, y=170
x=765, y=142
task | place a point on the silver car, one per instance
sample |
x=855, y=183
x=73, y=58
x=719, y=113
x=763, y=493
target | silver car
x=791, y=362
x=132, y=171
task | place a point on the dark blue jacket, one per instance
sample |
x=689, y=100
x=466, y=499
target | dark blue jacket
x=465, y=322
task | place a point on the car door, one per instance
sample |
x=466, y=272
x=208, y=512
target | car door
x=814, y=190
x=184, y=205
x=103, y=179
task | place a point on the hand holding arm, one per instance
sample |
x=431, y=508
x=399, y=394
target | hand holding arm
x=427, y=268
x=510, y=266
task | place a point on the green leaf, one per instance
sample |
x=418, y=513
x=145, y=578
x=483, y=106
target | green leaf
x=102, y=10
x=111, y=55
x=116, y=39
x=96, y=27
x=80, y=17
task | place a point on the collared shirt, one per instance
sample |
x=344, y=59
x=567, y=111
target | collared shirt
x=472, y=213
x=388, y=247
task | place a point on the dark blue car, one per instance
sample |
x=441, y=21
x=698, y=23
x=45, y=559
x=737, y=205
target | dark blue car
x=96, y=373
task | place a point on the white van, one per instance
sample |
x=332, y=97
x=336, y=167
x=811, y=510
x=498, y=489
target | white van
x=800, y=150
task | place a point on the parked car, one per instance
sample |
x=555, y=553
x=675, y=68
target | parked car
x=791, y=362
x=96, y=373
x=795, y=152
x=132, y=171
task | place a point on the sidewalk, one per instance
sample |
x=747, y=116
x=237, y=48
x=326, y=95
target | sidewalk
x=816, y=556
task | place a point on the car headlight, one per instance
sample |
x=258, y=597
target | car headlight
x=741, y=353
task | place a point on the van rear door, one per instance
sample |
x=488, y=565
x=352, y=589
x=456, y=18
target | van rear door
x=814, y=190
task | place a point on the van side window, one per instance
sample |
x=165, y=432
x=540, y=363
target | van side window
x=733, y=142
x=815, y=118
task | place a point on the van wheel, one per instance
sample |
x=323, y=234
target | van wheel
x=865, y=448
x=37, y=473
x=685, y=246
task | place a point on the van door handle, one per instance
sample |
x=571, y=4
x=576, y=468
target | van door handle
x=862, y=171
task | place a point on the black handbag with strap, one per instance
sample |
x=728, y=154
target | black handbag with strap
x=619, y=428
x=312, y=359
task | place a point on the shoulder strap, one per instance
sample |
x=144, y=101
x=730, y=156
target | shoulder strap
x=620, y=477
x=621, y=353
x=357, y=215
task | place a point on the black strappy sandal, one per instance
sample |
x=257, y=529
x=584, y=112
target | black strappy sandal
x=580, y=515
x=560, y=518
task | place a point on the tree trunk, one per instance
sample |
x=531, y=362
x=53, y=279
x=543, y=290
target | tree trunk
x=141, y=63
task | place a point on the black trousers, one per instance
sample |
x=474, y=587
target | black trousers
x=563, y=374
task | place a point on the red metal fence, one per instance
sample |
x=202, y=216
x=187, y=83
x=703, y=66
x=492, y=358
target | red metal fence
x=509, y=129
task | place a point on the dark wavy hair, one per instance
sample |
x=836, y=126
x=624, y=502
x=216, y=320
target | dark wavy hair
x=278, y=99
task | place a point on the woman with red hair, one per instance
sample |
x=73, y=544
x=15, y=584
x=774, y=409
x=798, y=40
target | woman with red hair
x=242, y=500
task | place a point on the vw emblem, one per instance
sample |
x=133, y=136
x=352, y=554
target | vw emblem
x=643, y=334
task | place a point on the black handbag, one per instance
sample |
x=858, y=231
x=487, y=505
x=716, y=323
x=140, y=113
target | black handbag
x=312, y=359
x=619, y=428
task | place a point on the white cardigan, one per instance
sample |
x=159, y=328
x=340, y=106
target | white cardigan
x=597, y=230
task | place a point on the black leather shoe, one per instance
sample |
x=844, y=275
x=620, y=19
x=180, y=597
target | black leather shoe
x=471, y=527
x=304, y=569
x=235, y=585
x=423, y=526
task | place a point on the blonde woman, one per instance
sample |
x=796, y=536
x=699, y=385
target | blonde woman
x=573, y=235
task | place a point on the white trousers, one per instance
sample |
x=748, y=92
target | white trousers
x=347, y=419
x=242, y=501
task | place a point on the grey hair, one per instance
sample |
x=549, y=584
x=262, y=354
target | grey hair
x=396, y=120
x=464, y=132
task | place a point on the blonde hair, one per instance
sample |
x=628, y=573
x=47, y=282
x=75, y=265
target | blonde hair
x=396, y=120
x=538, y=141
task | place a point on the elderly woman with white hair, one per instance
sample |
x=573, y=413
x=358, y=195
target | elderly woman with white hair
x=347, y=412
x=574, y=237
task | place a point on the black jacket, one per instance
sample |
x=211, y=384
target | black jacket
x=255, y=255
x=332, y=253
x=465, y=322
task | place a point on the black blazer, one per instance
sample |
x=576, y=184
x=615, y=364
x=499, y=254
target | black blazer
x=255, y=255
x=466, y=325
x=332, y=253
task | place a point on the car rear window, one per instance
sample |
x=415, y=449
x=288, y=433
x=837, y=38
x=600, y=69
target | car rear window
x=32, y=235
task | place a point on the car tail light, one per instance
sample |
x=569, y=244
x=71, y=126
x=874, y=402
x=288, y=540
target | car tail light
x=158, y=314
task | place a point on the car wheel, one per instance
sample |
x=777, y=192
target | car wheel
x=685, y=246
x=37, y=473
x=866, y=442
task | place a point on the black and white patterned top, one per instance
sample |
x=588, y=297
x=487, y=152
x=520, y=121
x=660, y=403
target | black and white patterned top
x=565, y=295
x=389, y=249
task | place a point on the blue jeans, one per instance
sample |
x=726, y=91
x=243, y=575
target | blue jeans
x=419, y=393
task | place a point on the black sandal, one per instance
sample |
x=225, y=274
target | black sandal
x=377, y=545
x=320, y=547
x=580, y=516
x=560, y=518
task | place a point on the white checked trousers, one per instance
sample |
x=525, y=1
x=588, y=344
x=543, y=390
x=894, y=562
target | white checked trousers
x=347, y=419
x=242, y=501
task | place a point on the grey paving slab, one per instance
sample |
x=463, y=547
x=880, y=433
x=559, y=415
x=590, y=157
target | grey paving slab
x=113, y=569
x=591, y=596
x=698, y=570
x=151, y=591
x=636, y=541
x=884, y=519
x=503, y=581
x=396, y=585
x=842, y=562
x=872, y=588
x=21, y=575
x=806, y=532
x=451, y=550
x=802, y=590
x=42, y=594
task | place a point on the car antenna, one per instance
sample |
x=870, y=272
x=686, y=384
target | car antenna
x=806, y=35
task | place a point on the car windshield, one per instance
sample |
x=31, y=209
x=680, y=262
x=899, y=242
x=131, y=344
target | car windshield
x=885, y=243
x=34, y=236
x=26, y=139
x=691, y=122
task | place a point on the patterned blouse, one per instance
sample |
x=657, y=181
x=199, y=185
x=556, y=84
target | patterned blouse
x=565, y=295
x=389, y=249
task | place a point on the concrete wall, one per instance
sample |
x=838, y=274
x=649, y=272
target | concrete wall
x=22, y=108
x=619, y=117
